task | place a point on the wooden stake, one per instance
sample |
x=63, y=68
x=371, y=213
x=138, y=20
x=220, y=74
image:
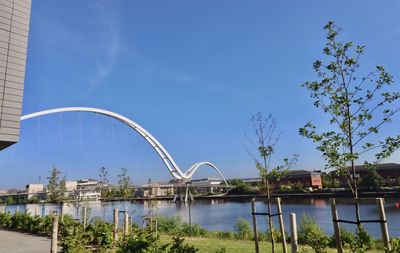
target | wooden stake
x=54, y=234
x=116, y=217
x=293, y=232
x=62, y=211
x=281, y=224
x=84, y=216
x=255, y=229
x=126, y=223
x=335, y=218
x=130, y=224
x=384, y=228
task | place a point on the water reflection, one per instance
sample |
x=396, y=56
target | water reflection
x=222, y=214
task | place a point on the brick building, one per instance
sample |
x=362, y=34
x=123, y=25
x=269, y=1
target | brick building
x=309, y=179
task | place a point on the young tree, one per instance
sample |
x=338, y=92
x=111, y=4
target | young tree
x=104, y=182
x=56, y=187
x=357, y=105
x=266, y=140
x=103, y=174
x=124, y=181
x=372, y=179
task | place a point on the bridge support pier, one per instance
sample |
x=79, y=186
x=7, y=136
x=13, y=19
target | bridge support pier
x=183, y=194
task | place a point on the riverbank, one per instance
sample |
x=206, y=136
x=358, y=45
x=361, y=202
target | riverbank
x=283, y=195
x=18, y=242
x=207, y=245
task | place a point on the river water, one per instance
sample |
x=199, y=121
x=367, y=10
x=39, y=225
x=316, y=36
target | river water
x=222, y=214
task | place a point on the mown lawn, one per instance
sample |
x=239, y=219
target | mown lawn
x=211, y=245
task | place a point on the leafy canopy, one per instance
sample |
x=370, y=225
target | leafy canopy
x=357, y=104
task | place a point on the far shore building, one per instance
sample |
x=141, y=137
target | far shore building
x=167, y=189
x=155, y=189
x=309, y=179
x=84, y=189
x=35, y=190
x=70, y=188
x=390, y=172
x=206, y=185
x=87, y=189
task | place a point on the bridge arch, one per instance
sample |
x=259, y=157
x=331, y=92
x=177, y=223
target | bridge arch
x=167, y=159
x=196, y=166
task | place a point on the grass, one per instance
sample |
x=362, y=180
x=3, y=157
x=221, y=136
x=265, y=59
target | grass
x=211, y=245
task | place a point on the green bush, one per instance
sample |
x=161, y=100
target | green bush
x=362, y=241
x=10, y=201
x=179, y=247
x=33, y=200
x=193, y=230
x=221, y=250
x=102, y=234
x=310, y=233
x=395, y=244
x=229, y=235
x=141, y=242
x=347, y=238
x=169, y=225
x=6, y=220
x=45, y=226
x=73, y=239
x=242, y=189
x=26, y=223
x=242, y=228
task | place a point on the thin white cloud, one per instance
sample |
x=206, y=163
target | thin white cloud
x=106, y=64
x=110, y=45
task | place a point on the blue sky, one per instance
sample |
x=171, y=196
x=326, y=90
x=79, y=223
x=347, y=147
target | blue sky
x=191, y=72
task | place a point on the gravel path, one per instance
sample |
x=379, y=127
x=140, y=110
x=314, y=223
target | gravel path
x=16, y=242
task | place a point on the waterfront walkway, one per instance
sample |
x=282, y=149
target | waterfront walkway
x=16, y=242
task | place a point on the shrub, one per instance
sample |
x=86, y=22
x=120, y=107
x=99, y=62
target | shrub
x=193, y=230
x=229, y=235
x=179, y=247
x=33, y=224
x=6, y=220
x=242, y=189
x=310, y=233
x=242, y=228
x=395, y=244
x=221, y=250
x=285, y=188
x=10, y=201
x=141, y=242
x=362, y=241
x=102, y=234
x=45, y=226
x=346, y=237
x=33, y=200
x=169, y=225
x=73, y=238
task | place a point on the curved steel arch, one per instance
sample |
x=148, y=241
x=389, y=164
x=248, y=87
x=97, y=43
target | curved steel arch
x=169, y=162
x=196, y=166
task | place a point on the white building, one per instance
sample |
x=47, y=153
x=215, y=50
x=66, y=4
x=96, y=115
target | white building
x=34, y=190
x=87, y=189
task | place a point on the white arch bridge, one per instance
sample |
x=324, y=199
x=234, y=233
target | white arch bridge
x=169, y=162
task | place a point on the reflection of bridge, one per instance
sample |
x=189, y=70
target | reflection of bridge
x=173, y=168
